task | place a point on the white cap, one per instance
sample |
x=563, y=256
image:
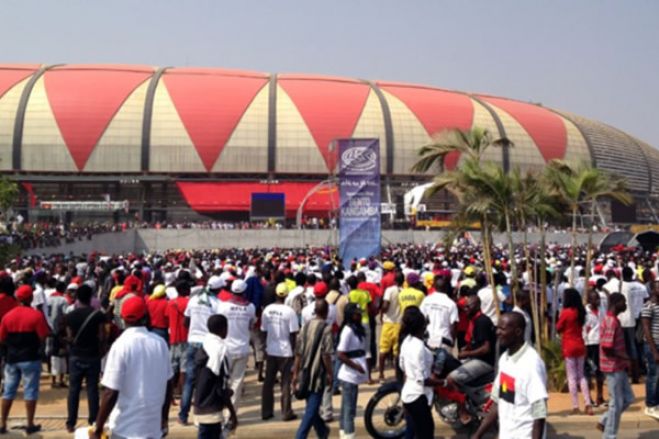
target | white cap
x=238, y=286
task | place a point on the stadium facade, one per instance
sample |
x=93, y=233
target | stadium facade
x=178, y=142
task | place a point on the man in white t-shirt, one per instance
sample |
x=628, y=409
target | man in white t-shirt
x=137, y=380
x=320, y=290
x=200, y=307
x=635, y=294
x=442, y=315
x=520, y=388
x=280, y=324
x=488, y=305
x=241, y=315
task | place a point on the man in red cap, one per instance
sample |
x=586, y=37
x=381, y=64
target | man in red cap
x=22, y=331
x=137, y=379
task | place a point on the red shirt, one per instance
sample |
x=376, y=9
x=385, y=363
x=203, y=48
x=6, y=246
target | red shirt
x=224, y=295
x=178, y=333
x=388, y=280
x=611, y=336
x=572, y=333
x=22, y=329
x=463, y=319
x=157, y=309
x=7, y=303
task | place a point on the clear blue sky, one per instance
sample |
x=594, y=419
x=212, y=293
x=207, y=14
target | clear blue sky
x=596, y=58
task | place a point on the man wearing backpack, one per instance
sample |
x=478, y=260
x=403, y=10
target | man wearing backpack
x=313, y=370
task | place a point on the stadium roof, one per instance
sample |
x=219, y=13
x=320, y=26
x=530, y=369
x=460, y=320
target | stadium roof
x=140, y=119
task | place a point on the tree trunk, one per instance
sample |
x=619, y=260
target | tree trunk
x=573, y=255
x=487, y=239
x=513, y=263
x=589, y=251
x=543, y=283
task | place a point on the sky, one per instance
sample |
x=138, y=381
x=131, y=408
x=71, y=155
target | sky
x=595, y=58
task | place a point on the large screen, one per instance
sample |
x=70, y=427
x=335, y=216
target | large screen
x=268, y=205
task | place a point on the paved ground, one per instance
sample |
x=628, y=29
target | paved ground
x=52, y=413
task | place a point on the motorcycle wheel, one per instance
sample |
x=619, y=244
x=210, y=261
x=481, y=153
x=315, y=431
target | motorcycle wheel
x=384, y=416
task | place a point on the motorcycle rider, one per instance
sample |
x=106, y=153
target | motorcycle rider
x=520, y=388
x=478, y=354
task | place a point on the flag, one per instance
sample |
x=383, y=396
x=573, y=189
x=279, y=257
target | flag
x=507, y=387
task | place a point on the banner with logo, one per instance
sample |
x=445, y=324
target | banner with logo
x=359, y=189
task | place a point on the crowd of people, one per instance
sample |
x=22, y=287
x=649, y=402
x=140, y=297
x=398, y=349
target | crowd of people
x=181, y=326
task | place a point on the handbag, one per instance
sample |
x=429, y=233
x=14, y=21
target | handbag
x=302, y=389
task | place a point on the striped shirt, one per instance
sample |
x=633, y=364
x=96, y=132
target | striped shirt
x=651, y=311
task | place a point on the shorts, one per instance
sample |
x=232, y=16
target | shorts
x=630, y=342
x=389, y=338
x=177, y=357
x=30, y=371
x=469, y=371
x=57, y=365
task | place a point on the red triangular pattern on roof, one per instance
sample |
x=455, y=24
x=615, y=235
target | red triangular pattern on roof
x=437, y=110
x=11, y=77
x=545, y=128
x=85, y=101
x=210, y=107
x=331, y=109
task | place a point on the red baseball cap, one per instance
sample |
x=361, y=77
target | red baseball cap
x=23, y=293
x=320, y=289
x=133, y=309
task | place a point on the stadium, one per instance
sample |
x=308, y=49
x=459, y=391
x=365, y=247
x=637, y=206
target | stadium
x=170, y=144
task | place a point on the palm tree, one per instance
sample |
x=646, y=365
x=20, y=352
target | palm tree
x=471, y=144
x=579, y=185
x=466, y=183
x=533, y=202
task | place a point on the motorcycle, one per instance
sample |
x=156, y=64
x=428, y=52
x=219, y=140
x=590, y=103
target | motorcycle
x=384, y=416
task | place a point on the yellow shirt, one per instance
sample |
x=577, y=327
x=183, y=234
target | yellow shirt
x=114, y=291
x=410, y=297
x=362, y=299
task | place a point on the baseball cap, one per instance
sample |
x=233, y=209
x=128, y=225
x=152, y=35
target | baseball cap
x=320, y=289
x=215, y=282
x=470, y=270
x=388, y=265
x=23, y=293
x=281, y=290
x=412, y=278
x=238, y=286
x=133, y=309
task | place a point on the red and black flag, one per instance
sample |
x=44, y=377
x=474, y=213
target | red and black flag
x=507, y=388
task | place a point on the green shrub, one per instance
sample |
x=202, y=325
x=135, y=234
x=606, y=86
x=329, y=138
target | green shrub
x=552, y=354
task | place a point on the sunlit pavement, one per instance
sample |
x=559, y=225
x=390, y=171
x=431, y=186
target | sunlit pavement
x=51, y=414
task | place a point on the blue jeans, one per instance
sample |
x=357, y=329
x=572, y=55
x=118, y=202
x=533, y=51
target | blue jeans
x=89, y=369
x=209, y=431
x=188, y=386
x=620, y=397
x=349, y=394
x=312, y=418
x=30, y=371
x=651, y=384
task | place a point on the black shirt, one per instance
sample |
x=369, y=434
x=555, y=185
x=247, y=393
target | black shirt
x=88, y=344
x=484, y=331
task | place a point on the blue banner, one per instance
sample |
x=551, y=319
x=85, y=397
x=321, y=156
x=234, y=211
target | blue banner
x=359, y=189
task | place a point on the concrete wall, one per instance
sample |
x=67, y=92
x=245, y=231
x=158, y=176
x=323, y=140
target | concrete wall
x=159, y=240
